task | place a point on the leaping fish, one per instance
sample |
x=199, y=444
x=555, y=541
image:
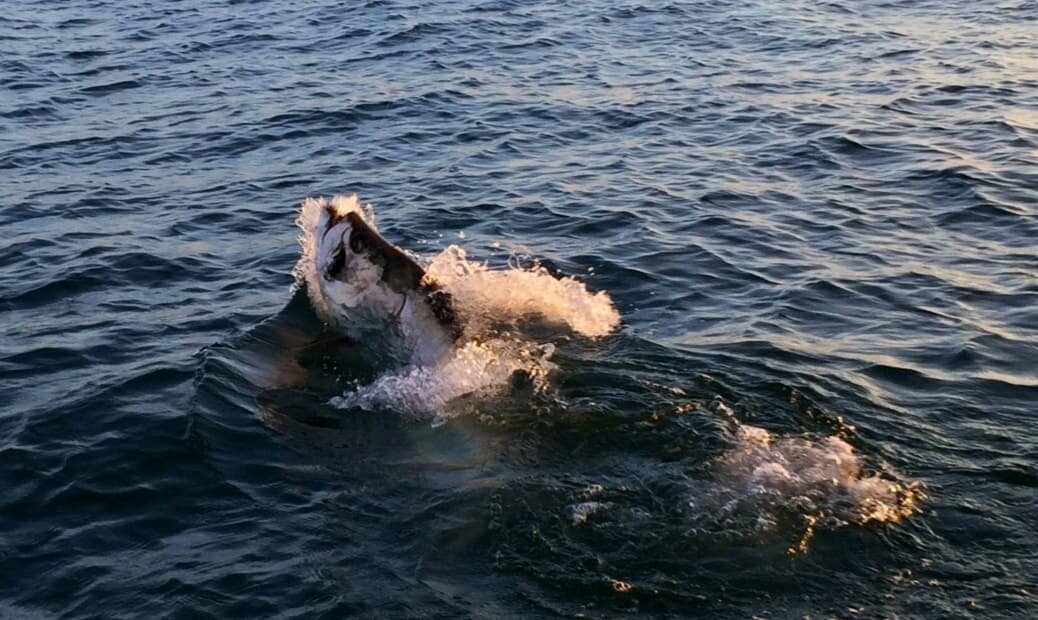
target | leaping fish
x=354, y=276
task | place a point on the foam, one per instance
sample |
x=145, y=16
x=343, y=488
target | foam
x=764, y=487
x=766, y=478
x=580, y=513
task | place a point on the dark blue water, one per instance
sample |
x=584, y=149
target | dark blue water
x=817, y=220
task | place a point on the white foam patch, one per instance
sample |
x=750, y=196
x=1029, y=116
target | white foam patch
x=766, y=485
x=764, y=474
x=580, y=513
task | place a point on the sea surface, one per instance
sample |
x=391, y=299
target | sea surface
x=778, y=273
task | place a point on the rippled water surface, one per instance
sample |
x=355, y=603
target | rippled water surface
x=817, y=222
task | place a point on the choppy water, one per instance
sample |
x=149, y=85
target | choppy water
x=816, y=220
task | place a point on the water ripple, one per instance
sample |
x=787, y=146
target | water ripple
x=817, y=220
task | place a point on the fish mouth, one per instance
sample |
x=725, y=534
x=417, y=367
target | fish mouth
x=333, y=220
x=337, y=266
x=374, y=269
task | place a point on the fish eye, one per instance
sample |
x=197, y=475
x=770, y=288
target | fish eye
x=358, y=242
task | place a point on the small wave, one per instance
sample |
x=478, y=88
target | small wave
x=112, y=87
x=413, y=34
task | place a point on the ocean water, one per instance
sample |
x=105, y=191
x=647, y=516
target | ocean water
x=757, y=288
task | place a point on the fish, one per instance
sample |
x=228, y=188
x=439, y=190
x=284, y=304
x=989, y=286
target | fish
x=357, y=279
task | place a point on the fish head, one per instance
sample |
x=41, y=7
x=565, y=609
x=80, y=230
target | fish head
x=369, y=288
x=360, y=269
x=366, y=279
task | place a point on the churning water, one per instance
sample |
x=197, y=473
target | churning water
x=750, y=294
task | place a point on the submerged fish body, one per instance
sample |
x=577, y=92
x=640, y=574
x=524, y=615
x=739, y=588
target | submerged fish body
x=356, y=279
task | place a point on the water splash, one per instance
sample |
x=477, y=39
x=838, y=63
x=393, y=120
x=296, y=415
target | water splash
x=475, y=367
x=765, y=487
x=819, y=482
x=762, y=465
x=486, y=297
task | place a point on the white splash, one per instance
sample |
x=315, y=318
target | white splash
x=580, y=513
x=764, y=488
x=764, y=474
x=485, y=296
x=474, y=367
